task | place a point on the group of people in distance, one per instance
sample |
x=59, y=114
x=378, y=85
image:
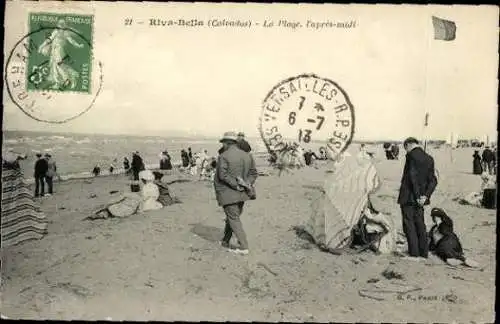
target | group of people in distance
x=485, y=162
x=198, y=163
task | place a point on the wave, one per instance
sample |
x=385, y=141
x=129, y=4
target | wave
x=86, y=140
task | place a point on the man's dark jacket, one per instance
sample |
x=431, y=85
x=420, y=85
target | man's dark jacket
x=41, y=168
x=488, y=155
x=419, y=178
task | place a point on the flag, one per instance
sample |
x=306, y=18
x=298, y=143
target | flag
x=426, y=122
x=444, y=29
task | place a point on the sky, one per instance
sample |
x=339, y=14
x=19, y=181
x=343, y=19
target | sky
x=161, y=80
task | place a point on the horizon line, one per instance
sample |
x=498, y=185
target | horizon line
x=184, y=134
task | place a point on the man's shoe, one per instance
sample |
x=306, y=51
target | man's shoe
x=239, y=251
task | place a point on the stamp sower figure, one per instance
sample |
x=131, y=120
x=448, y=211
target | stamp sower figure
x=235, y=172
x=61, y=74
x=41, y=168
x=417, y=185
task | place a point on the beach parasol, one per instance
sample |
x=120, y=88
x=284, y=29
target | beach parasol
x=345, y=196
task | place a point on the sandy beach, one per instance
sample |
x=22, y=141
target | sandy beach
x=167, y=264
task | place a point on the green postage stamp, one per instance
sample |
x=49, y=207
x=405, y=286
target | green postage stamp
x=60, y=55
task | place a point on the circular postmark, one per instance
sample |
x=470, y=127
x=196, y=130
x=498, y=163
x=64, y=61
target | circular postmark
x=49, y=82
x=307, y=110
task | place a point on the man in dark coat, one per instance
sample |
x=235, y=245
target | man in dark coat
x=235, y=172
x=488, y=159
x=136, y=166
x=417, y=185
x=41, y=168
x=242, y=143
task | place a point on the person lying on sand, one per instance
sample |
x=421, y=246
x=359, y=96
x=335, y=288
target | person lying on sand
x=132, y=202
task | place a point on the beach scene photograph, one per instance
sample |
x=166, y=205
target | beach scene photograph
x=249, y=162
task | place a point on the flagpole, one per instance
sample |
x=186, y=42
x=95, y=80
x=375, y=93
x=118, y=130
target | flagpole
x=428, y=33
x=426, y=123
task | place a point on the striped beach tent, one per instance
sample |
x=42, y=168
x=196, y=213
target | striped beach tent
x=21, y=218
x=345, y=196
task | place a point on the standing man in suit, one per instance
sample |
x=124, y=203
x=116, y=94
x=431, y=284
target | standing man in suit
x=235, y=174
x=41, y=168
x=417, y=185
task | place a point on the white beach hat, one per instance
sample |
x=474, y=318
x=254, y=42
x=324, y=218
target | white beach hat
x=146, y=175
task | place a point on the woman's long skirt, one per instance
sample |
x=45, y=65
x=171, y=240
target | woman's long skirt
x=477, y=167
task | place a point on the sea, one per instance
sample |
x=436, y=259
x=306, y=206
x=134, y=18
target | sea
x=77, y=154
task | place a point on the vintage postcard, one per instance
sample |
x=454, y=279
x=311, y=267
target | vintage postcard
x=249, y=162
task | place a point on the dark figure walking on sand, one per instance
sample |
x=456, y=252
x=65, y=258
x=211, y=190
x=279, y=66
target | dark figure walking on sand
x=184, y=158
x=233, y=184
x=97, y=170
x=477, y=167
x=488, y=160
x=41, y=168
x=308, y=157
x=395, y=151
x=190, y=156
x=166, y=161
x=126, y=164
x=417, y=185
x=136, y=167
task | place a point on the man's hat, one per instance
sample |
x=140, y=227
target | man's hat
x=241, y=134
x=48, y=155
x=39, y=155
x=229, y=137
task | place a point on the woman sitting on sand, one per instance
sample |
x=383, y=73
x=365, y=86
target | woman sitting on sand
x=166, y=197
x=150, y=192
x=133, y=202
